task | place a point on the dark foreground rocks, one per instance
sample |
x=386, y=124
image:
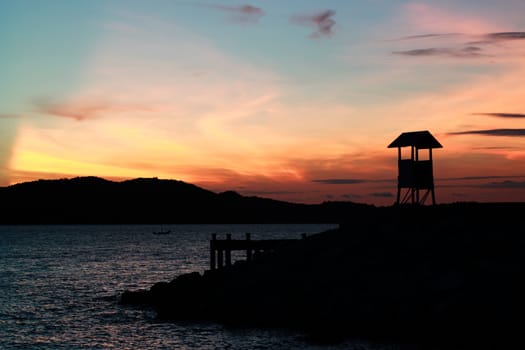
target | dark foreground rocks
x=450, y=276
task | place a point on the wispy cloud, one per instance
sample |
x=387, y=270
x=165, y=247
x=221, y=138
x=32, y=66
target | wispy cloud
x=240, y=14
x=461, y=44
x=494, y=38
x=426, y=36
x=482, y=38
x=492, y=132
x=339, y=181
x=465, y=52
x=382, y=194
x=351, y=196
x=265, y=193
x=505, y=36
x=505, y=184
x=78, y=112
x=502, y=115
x=85, y=109
x=487, y=177
x=323, y=22
x=497, y=148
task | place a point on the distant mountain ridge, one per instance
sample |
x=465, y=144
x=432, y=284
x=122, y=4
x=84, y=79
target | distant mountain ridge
x=93, y=200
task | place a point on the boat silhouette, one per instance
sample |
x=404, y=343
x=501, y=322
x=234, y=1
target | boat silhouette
x=162, y=232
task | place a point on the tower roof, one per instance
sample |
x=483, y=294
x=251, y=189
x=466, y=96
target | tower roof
x=419, y=139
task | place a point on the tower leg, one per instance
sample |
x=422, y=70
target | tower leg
x=398, y=194
x=433, y=197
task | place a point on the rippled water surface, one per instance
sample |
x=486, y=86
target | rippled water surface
x=59, y=287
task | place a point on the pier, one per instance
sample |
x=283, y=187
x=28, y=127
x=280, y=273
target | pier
x=221, y=249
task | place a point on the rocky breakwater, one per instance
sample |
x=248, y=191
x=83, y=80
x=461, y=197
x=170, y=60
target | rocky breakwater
x=445, y=275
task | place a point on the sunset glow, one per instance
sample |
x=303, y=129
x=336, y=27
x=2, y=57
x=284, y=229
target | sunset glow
x=288, y=100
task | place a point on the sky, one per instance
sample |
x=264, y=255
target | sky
x=294, y=100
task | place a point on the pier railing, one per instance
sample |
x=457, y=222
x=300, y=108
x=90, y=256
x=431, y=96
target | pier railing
x=221, y=249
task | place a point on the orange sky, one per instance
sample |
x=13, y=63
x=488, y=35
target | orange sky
x=212, y=96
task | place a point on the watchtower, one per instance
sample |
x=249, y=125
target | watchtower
x=414, y=173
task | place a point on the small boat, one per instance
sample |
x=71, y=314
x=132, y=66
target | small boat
x=162, y=232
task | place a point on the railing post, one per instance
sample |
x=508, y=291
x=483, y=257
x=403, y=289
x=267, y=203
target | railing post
x=221, y=250
x=249, y=248
x=228, y=250
x=212, y=251
x=220, y=258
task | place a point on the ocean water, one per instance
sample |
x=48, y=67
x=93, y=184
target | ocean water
x=59, y=287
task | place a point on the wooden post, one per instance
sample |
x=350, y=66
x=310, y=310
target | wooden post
x=228, y=250
x=212, y=251
x=432, y=172
x=249, y=250
x=221, y=250
x=399, y=166
x=220, y=258
x=412, y=191
x=417, y=189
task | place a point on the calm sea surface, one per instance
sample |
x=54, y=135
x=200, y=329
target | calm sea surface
x=59, y=287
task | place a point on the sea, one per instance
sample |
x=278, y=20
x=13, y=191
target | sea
x=60, y=286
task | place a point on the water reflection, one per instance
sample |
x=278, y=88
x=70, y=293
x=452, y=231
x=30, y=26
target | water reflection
x=60, y=286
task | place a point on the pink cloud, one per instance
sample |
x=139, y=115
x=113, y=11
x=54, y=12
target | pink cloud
x=322, y=21
x=464, y=52
x=241, y=14
x=83, y=110
x=78, y=112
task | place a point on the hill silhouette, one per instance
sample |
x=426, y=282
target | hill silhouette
x=93, y=200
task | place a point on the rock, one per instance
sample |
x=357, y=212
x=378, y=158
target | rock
x=139, y=297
